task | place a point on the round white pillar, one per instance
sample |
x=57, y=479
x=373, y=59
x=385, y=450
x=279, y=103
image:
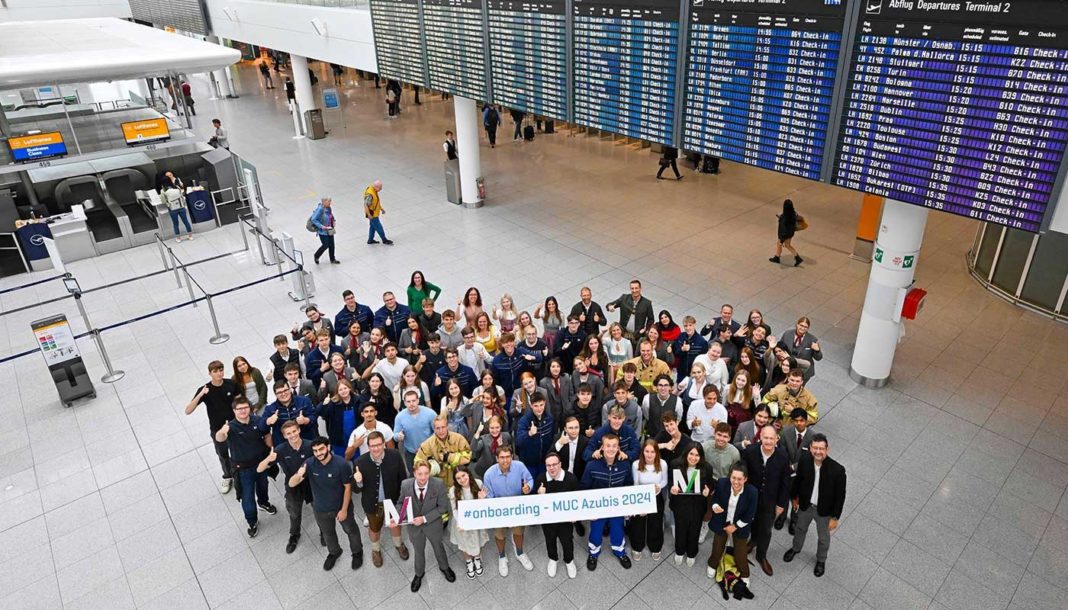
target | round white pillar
x=467, y=123
x=302, y=82
x=897, y=248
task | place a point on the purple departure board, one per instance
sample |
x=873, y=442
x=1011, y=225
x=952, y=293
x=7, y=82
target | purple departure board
x=958, y=106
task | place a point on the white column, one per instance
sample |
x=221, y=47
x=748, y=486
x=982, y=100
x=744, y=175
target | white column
x=893, y=266
x=222, y=79
x=305, y=94
x=467, y=122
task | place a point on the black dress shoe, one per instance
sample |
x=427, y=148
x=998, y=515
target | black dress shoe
x=370, y=241
x=292, y=544
x=388, y=242
x=417, y=582
x=330, y=561
x=253, y=530
x=591, y=563
x=335, y=262
x=789, y=556
x=580, y=529
x=449, y=574
x=357, y=560
x=624, y=561
x=780, y=521
x=819, y=569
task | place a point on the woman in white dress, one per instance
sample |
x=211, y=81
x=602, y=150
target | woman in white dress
x=470, y=542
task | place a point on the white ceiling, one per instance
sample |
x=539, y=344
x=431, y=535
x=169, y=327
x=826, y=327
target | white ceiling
x=91, y=50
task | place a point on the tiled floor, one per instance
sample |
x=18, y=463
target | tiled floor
x=957, y=470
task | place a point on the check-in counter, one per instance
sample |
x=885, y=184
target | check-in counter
x=72, y=237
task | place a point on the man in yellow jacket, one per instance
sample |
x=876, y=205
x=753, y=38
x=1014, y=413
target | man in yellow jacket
x=372, y=209
x=444, y=451
x=785, y=397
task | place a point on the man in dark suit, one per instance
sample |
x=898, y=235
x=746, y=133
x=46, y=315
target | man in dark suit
x=430, y=506
x=378, y=475
x=635, y=312
x=794, y=440
x=769, y=472
x=589, y=313
x=803, y=346
x=818, y=494
x=734, y=521
x=570, y=448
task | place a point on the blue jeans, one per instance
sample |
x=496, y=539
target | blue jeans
x=253, y=489
x=180, y=213
x=616, y=533
x=375, y=226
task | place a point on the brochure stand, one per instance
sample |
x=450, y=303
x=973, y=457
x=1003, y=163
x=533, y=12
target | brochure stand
x=60, y=351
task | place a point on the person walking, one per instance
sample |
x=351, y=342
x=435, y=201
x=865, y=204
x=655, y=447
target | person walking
x=429, y=500
x=372, y=210
x=268, y=83
x=669, y=158
x=517, y=118
x=787, y=228
x=331, y=485
x=325, y=225
x=187, y=95
x=491, y=120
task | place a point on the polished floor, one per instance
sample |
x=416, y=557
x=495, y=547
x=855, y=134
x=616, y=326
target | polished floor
x=957, y=470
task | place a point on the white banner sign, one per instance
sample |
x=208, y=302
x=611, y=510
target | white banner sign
x=538, y=508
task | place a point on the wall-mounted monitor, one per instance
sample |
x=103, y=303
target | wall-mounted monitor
x=37, y=146
x=146, y=131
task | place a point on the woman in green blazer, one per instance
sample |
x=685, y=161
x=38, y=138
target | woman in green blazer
x=419, y=289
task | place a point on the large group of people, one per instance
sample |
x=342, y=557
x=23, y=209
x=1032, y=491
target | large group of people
x=408, y=405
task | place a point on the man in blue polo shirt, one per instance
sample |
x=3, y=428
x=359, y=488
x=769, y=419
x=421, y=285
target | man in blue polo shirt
x=503, y=479
x=290, y=456
x=331, y=484
x=246, y=437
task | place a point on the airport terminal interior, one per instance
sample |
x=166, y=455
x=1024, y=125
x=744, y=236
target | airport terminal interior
x=957, y=467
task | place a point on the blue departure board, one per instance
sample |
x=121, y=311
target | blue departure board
x=760, y=79
x=528, y=55
x=625, y=55
x=398, y=41
x=455, y=46
x=958, y=106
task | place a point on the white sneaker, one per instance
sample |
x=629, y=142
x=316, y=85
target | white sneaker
x=637, y=555
x=551, y=569
x=365, y=522
x=712, y=573
x=502, y=566
x=678, y=560
x=690, y=561
x=703, y=535
x=656, y=556
x=225, y=485
x=523, y=561
x=572, y=571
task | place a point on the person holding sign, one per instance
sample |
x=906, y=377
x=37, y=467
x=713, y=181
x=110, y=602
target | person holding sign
x=503, y=479
x=331, y=485
x=608, y=469
x=556, y=479
x=378, y=474
x=649, y=528
x=430, y=505
x=734, y=506
x=691, y=480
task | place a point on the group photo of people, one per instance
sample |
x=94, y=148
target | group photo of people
x=412, y=403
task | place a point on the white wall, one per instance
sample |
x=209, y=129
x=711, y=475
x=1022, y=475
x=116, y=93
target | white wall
x=34, y=10
x=287, y=27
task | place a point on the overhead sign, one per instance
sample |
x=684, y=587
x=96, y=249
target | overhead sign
x=143, y=132
x=537, y=508
x=55, y=339
x=37, y=146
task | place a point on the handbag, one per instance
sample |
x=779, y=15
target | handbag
x=801, y=224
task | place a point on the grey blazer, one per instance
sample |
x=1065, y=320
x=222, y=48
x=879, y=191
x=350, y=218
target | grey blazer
x=746, y=431
x=481, y=456
x=803, y=353
x=558, y=404
x=436, y=503
x=788, y=441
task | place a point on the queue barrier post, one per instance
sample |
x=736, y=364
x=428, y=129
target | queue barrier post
x=279, y=256
x=162, y=254
x=112, y=375
x=219, y=337
x=244, y=233
x=174, y=265
x=189, y=284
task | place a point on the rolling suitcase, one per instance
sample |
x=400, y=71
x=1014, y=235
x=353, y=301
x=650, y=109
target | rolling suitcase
x=550, y=126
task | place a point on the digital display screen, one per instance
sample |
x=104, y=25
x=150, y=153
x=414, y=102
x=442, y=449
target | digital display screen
x=625, y=56
x=528, y=55
x=455, y=46
x=37, y=146
x=144, y=132
x=958, y=106
x=398, y=42
x=760, y=80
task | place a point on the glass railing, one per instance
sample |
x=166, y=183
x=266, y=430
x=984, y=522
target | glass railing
x=327, y=3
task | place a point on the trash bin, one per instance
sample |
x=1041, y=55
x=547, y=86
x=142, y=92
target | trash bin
x=313, y=121
x=452, y=181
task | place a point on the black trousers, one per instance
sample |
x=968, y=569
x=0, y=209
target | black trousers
x=295, y=508
x=223, y=451
x=564, y=532
x=674, y=167
x=648, y=530
x=687, y=532
x=327, y=522
x=327, y=242
x=491, y=133
x=765, y=518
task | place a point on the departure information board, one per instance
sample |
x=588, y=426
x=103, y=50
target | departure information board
x=398, y=41
x=625, y=56
x=528, y=55
x=455, y=46
x=958, y=106
x=759, y=81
